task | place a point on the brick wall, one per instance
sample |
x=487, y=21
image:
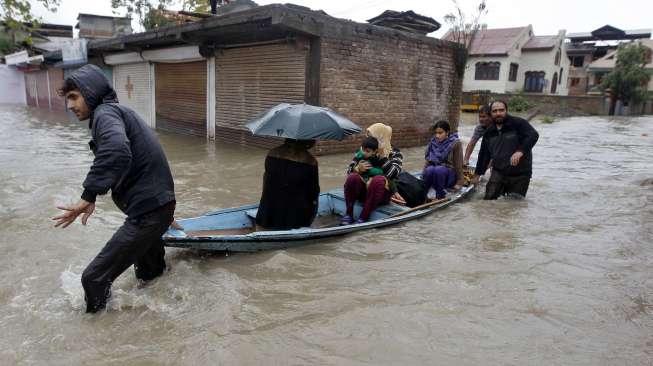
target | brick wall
x=371, y=74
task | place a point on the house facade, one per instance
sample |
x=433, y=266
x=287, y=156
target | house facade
x=510, y=60
x=210, y=77
x=585, y=48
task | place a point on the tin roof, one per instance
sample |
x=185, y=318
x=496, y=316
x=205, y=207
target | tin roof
x=407, y=21
x=609, y=33
x=493, y=41
x=541, y=43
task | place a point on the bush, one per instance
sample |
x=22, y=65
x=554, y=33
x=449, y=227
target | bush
x=519, y=104
x=547, y=119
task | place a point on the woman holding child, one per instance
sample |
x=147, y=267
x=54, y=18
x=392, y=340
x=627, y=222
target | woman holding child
x=371, y=174
x=444, y=161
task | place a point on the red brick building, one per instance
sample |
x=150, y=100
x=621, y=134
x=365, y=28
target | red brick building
x=229, y=68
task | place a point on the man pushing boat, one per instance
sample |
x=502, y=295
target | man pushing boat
x=130, y=162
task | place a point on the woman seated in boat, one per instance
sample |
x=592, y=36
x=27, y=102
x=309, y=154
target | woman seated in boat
x=291, y=187
x=444, y=161
x=379, y=189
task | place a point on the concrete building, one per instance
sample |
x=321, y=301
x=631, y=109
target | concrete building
x=509, y=60
x=209, y=78
x=586, y=47
x=602, y=66
x=13, y=86
x=93, y=26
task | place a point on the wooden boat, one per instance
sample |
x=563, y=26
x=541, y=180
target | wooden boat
x=233, y=229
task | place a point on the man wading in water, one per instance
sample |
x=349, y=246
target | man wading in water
x=130, y=162
x=507, y=143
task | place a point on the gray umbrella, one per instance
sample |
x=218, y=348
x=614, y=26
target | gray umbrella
x=302, y=122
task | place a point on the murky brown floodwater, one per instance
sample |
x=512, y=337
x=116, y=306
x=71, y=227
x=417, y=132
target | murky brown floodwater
x=561, y=278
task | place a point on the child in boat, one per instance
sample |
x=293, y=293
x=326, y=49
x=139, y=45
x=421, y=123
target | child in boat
x=444, y=161
x=368, y=154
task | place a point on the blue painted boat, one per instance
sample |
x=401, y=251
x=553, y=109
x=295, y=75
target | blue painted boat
x=233, y=229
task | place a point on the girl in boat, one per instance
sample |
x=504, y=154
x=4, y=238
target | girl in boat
x=379, y=189
x=291, y=187
x=444, y=161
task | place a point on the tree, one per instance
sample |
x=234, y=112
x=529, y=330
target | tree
x=17, y=16
x=629, y=78
x=463, y=28
x=150, y=12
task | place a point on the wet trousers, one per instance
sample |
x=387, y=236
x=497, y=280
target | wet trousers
x=439, y=177
x=137, y=242
x=372, y=195
x=500, y=184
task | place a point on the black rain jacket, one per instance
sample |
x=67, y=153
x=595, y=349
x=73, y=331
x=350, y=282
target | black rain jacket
x=499, y=145
x=129, y=160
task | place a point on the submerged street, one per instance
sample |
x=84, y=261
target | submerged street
x=563, y=277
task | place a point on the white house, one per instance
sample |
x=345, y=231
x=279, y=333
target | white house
x=509, y=60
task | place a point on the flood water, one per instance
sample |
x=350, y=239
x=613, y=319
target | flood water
x=564, y=277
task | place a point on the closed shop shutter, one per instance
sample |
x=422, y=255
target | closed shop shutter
x=30, y=88
x=250, y=80
x=42, y=89
x=181, y=97
x=132, y=85
x=56, y=79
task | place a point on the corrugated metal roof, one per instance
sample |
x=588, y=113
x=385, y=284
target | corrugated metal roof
x=608, y=61
x=492, y=41
x=541, y=42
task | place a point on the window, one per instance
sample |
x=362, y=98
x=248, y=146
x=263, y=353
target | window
x=534, y=81
x=557, y=59
x=560, y=80
x=574, y=81
x=487, y=71
x=577, y=61
x=513, y=72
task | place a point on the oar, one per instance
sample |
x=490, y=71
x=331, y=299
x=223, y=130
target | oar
x=416, y=208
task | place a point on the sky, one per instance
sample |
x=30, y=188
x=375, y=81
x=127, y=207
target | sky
x=546, y=17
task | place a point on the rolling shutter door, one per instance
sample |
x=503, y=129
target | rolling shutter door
x=181, y=97
x=250, y=80
x=132, y=84
x=43, y=93
x=56, y=79
x=30, y=88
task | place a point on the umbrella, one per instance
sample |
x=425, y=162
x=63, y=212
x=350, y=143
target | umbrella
x=302, y=122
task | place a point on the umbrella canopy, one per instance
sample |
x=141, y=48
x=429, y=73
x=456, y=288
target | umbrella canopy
x=302, y=122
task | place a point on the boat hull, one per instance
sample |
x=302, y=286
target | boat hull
x=204, y=232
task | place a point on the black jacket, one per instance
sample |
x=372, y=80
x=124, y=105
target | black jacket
x=128, y=157
x=516, y=134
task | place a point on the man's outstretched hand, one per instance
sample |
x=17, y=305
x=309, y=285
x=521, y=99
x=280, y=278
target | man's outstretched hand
x=72, y=212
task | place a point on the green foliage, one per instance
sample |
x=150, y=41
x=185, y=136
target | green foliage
x=155, y=19
x=15, y=14
x=148, y=12
x=629, y=78
x=519, y=104
x=548, y=120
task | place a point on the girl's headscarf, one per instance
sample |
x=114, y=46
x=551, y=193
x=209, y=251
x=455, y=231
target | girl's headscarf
x=383, y=134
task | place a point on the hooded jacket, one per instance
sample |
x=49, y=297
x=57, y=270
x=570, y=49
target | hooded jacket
x=129, y=160
x=498, y=145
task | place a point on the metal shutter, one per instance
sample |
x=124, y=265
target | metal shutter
x=250, y=80
x=30, y=88
x=181, y=97
x=42, y=90
x=132, y=84
x=56, y=79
